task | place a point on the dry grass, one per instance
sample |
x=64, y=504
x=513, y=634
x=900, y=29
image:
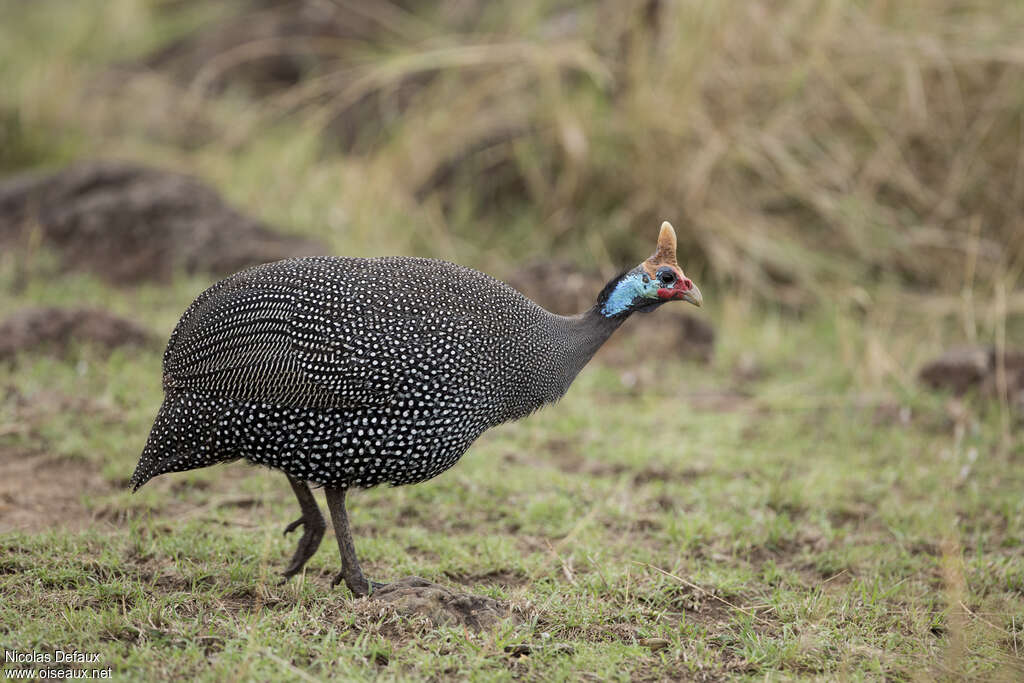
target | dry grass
x=802, y=147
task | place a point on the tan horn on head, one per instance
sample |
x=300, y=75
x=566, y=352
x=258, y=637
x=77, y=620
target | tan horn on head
x=665, y=254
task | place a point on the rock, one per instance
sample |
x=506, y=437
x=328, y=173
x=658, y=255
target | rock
x=960, y=369
x=128, y=223
x=441, y=605
x=957, y=369
x=526, y=649
x=654, y=644
x=55, y=329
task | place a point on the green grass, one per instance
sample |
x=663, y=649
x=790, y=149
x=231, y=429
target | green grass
x=788, y=525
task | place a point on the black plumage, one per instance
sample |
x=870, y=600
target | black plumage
x=348, y=373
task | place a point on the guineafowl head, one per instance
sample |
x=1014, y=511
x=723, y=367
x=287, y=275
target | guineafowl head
x=654, y=282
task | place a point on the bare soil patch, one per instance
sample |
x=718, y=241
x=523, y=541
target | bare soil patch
x=55, y=329
x=507, y=578
x=566, y=455
x=39, y=492
x=129, y=223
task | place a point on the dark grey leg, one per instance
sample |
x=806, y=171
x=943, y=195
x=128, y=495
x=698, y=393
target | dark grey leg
x=313, y=526
x=350, y=572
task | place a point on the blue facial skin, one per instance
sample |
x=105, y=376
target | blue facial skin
x=633, y=286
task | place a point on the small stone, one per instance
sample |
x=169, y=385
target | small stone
x=520, y=650
x=654, y=644
x=526, y=649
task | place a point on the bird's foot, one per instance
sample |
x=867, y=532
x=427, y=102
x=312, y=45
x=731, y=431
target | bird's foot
x=312, y=534
x=357, y=583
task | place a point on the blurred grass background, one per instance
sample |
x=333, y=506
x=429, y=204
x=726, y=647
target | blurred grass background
x=847, y=181
x=805, y=150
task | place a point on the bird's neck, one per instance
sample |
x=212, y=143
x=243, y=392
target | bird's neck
x=569, y=344
x=583, y=335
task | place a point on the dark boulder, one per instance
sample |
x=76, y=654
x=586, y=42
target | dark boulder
x=129, y=223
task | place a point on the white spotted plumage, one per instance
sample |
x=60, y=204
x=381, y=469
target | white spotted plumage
x=351, y=372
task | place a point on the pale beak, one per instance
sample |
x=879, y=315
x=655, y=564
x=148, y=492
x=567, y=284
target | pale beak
x=693, y=295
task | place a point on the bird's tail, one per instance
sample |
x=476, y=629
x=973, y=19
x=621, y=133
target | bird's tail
x=182, y=438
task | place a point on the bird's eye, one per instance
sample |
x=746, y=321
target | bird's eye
x=666, y=277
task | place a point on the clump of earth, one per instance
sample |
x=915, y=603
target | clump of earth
x=130, y=223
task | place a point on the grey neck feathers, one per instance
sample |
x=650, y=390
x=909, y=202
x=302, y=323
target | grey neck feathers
x=579, y=337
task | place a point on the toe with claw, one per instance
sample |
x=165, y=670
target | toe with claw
x=313, y=527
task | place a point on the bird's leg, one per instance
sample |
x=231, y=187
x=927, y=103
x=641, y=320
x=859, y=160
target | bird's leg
x=350, y=572
x=313, y=526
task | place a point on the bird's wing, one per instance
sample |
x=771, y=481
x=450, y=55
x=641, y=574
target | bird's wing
x=286, y=347
x=237, y=342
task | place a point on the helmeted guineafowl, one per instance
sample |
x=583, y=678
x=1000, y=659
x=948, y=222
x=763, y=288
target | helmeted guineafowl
x=350, y=372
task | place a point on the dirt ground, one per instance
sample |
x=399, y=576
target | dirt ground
x=42, y=493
